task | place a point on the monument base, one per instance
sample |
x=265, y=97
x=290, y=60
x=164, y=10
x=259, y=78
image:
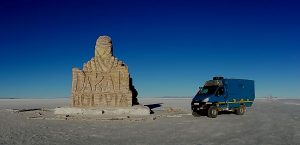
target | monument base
x=137, y=110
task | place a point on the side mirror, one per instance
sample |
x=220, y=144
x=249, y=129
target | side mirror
x=219, y=93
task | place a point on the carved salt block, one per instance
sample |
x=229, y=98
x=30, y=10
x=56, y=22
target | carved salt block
x=104, y=80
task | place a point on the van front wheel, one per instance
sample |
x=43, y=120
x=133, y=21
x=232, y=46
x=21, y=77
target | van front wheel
x=195, y=114
x=241, y=110
x=212, y=112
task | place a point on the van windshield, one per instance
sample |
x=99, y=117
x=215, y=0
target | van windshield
x=207, y=90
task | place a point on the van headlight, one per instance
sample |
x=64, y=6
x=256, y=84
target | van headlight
x=205, y=100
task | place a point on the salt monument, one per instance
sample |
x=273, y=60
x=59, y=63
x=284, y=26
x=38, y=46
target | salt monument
x=104, y=81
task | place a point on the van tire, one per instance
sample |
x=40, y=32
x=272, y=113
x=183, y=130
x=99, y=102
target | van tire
x=195, y=114
x=241, y=110
x=212, y=112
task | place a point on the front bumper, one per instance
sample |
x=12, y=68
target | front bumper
x=196, y=105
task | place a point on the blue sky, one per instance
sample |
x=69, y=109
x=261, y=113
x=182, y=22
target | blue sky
x=171, y=47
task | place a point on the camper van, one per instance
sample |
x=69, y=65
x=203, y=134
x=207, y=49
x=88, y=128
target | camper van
x=220, y=94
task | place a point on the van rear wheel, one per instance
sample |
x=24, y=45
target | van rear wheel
x=212, y=112
x=241, y=110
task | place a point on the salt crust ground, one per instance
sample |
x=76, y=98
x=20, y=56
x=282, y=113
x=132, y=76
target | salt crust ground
x=268, y=122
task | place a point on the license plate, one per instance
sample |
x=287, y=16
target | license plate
x=196, y=103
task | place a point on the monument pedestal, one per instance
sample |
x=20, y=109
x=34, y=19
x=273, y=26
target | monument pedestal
x=137, y=110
